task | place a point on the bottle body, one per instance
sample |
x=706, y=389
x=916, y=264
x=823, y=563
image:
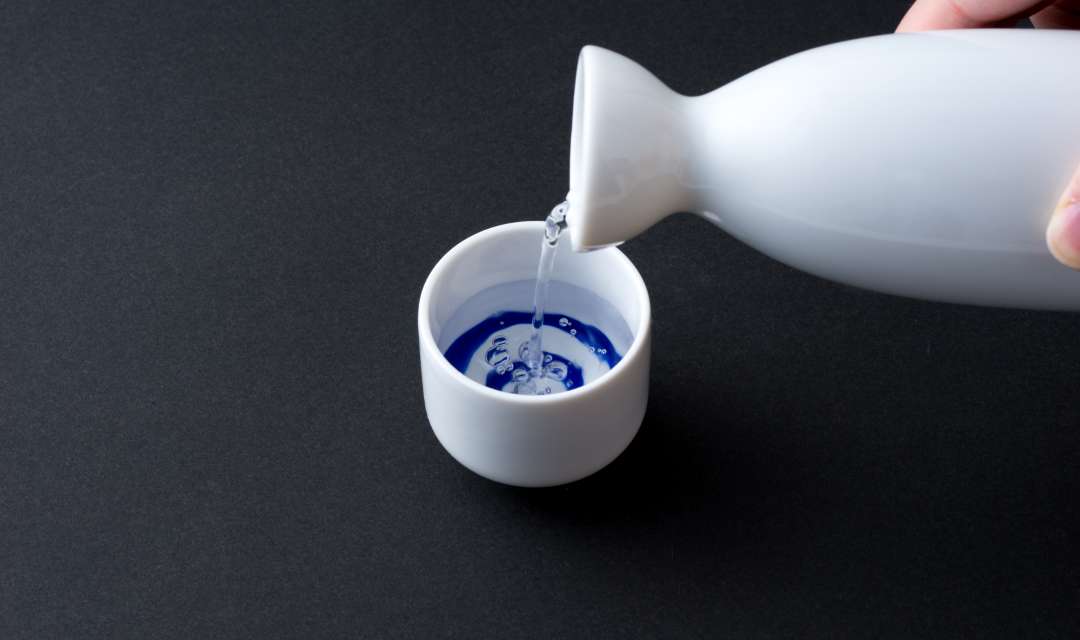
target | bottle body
x=925, y=165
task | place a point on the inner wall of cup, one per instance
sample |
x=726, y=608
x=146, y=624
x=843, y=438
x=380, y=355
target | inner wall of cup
x=510, y=254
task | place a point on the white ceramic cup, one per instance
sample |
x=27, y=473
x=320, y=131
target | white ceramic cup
x=532, y=441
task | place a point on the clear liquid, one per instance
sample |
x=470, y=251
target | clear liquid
x=493, y=351
x=505, y=350
x=553, y=226
x=487, y=337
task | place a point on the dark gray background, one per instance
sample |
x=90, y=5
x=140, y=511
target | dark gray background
x=214, y=225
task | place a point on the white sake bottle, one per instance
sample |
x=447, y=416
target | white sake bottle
x=923, y=164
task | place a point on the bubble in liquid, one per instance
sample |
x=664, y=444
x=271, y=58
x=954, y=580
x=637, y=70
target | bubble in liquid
x=564, y=322
x=527, y=388
x=497, y=356
x=565, y=365
x=555, y=371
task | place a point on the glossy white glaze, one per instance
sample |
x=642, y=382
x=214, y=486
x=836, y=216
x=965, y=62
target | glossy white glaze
x=532, y=440
x=920, y=164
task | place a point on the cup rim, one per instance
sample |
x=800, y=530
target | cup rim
x=428, y=342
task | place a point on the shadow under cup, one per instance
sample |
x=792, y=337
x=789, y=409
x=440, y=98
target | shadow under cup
x=543, y=440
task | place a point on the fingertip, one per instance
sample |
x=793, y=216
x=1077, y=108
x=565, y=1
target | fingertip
x=1063, y=232
x=929, y=15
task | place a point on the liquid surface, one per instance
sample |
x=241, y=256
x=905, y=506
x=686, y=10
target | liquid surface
x=537, y=353
x=490, y=343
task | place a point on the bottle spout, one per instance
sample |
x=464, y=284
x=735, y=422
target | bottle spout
x=630, y=159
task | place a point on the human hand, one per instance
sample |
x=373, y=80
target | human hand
x=1063, y=232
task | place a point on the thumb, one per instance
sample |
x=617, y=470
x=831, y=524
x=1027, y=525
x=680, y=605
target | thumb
x=1063, y=234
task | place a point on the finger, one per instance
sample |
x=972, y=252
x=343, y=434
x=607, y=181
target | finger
x=926, y=15
x=1063, y=233
x=1063, y=14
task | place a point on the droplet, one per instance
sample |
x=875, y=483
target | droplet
x=496, y=356
x=573, y=332
x=555, y=371
x=547, y=358
x=520, y=374
x=564, y=322
x=498, y=340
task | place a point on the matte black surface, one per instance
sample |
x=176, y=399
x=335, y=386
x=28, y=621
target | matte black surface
x=214, y=227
